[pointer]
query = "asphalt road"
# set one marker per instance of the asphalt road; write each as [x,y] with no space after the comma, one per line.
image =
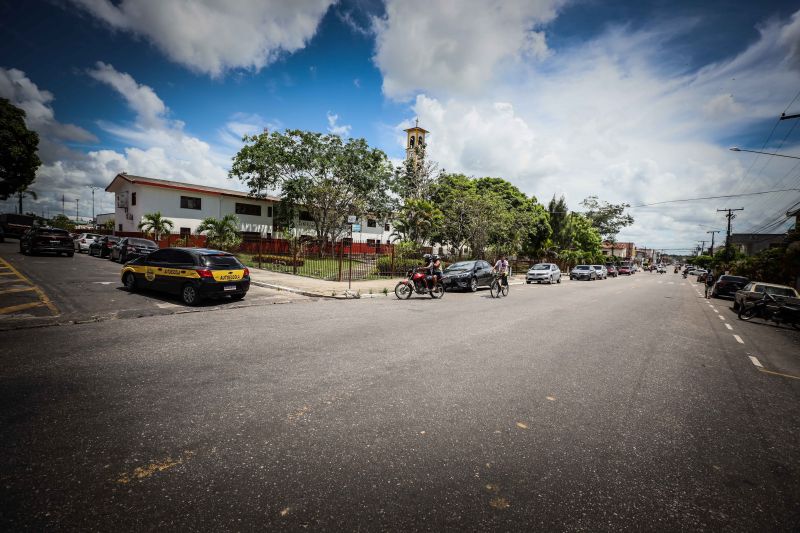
[87,289]
[624,404]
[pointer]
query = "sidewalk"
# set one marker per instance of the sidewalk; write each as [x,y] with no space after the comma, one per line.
[318,288]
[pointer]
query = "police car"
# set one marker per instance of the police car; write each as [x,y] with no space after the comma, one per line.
[191,273]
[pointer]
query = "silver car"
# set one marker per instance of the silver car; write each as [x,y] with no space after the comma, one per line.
[583,272]
[84,240]
[543,272]
[602,271]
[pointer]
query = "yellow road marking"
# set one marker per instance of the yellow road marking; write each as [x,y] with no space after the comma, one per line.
[45,299]
[20,289]
[779,374]
[20,307]
[6,273]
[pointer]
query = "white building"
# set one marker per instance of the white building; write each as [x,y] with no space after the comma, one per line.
[187,204]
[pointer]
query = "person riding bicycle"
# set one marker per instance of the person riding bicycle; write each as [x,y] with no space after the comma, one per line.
[501,267]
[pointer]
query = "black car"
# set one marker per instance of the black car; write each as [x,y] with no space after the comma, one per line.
[132,247]
[728,285]
[192,273]
[46,239]
[102,247]
[467,275]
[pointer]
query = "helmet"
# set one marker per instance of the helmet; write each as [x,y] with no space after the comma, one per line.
[435,257]
[427,257]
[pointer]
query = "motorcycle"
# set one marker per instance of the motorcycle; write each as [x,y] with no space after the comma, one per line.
[769,308]
[685,274]
[676,270]
[417,281]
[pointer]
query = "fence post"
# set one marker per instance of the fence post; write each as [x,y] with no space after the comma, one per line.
[391,268]
[294,258]
[341,256]
[260,241]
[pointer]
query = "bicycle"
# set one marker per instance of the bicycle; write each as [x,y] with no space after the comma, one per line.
[498,288]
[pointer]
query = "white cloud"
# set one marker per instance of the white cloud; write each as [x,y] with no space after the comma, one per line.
[39,115]
[607,117]
[342,130]
[210,36]
[456,46]
[149,108]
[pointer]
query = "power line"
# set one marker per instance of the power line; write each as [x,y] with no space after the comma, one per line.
[713,197]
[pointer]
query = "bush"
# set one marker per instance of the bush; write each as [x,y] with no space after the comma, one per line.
[278,259]
[401,266]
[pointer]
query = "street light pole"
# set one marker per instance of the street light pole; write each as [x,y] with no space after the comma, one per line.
[711,251]
[93,215]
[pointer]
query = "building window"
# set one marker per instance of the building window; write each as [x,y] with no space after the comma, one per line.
[371,223]
[250,236]
[120,227]
[269,211]
[372,242]
[386,227]
[347,241]
[185,232]
[189,202]
[133,198]
[305,216]
[248,209]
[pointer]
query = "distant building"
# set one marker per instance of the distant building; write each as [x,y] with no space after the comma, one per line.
[103,218]
[622,250]
[752,243]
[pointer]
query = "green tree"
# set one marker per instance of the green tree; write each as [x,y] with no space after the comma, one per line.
[416,221]
[609,219]
[156,224]
[328,178]
[558,212]
[221,233]
[582,236]
[18,158]
[63,222]
[417,176]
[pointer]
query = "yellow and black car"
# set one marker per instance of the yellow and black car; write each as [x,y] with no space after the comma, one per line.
[192,273]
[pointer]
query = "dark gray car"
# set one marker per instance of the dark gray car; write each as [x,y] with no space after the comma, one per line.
[131,248]
[467,275]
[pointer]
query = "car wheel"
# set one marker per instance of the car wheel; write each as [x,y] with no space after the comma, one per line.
[550,282]
[189,295]
[129,280]
[236,297]
[735,305]
[558,280]
[528,281]
[473,285]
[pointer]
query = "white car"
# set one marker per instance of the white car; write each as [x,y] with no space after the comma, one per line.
[543,272]
[84,240]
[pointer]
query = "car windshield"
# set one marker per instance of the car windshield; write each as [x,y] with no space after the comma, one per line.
[582,267]
[597,267]
[780,291]
[221,261]
[464,265]
[541,267]
[735,279]
[142,242]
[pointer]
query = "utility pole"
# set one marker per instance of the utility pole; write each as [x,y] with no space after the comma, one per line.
[712,232]
[702,245]
[93,189]
[730,216]
[76,210]
[62,205]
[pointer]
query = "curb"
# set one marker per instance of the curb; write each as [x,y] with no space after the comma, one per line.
[296,291]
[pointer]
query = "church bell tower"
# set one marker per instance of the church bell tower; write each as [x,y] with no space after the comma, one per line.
[415,138]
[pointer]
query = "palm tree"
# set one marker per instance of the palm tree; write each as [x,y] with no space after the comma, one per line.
[156,224]
[222,233]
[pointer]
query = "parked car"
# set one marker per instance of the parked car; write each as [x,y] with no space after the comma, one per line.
[46,239]
[696,271]
[612,270]
[755,291]
[467,275]
[84,240]
[131,247]
[624,270]
[583,272]
[2,235]
[602,271]
[102,247]
[543,272]
[661,269]
[728,285]
[192,273]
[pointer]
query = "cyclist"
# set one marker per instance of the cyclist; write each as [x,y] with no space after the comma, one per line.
[501,267]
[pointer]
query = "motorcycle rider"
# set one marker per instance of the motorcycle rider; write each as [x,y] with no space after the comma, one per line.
[427,261]
[436,270]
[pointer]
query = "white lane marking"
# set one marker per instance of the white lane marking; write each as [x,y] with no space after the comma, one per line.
[165,305]
[104,282]
[720,316]
[738,339]
[755,361]
[728,326]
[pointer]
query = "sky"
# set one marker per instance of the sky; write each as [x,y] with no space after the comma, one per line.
[634,102]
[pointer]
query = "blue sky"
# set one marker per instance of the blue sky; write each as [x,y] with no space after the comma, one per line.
[631,101]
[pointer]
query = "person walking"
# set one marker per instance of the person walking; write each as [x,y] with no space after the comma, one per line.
[709,283]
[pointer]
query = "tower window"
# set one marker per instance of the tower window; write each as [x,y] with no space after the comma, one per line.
[411,141]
